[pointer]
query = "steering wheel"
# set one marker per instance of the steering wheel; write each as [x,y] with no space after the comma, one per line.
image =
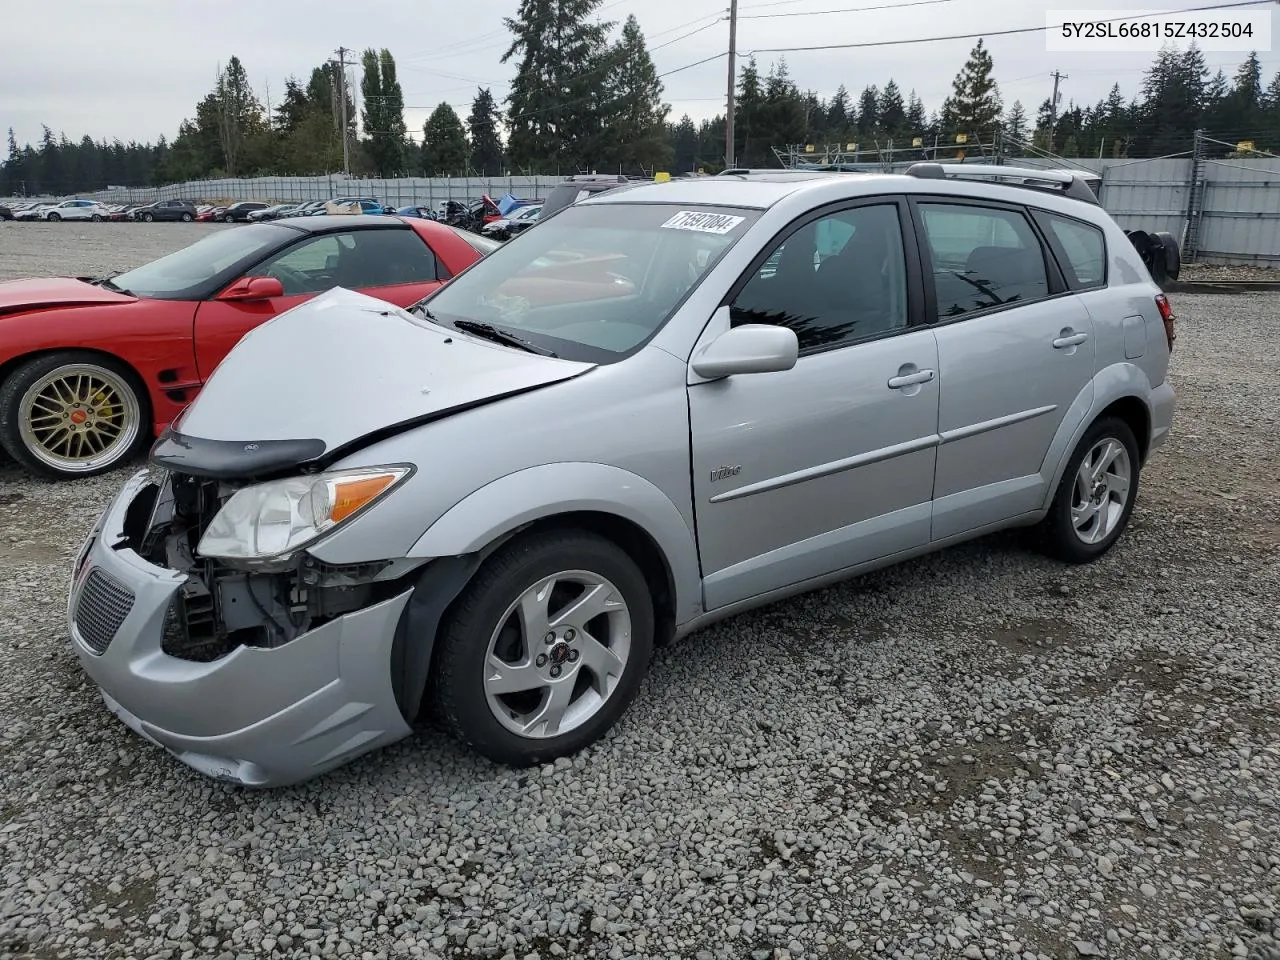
[292,281]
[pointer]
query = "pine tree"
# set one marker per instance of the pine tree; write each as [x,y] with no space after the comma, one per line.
[634,126]
[869,112]
[916,119]
[838,110]
[383,113]
[891,110]
[750,131]
[482,127]
[685,139]
[238,113]
[558,90]
[292,109]
[445,150]
[974,105]
[1015,121]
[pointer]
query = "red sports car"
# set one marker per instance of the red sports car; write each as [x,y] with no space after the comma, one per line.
[92,369]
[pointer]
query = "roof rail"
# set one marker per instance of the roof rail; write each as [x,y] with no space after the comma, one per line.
[1070,183]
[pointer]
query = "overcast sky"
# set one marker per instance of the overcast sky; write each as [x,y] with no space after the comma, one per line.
[135,68]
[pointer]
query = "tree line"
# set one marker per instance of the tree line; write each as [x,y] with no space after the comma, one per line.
[586,97]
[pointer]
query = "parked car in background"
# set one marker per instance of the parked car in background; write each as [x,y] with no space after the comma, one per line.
[422,211]
[270,213]
[513,491]
[34,211]
[76,210]
[121,211]
[239,212]
[517,221]
[6,212]
[356,205]
[580,187]
[213,213]
[92,369]
[182,210]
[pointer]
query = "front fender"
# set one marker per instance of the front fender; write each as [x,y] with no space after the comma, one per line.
[1116,382]
[536,493]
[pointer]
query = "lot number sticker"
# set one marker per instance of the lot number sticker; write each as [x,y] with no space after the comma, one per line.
[703,222]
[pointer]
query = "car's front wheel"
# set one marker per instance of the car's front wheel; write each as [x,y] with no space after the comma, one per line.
[148,217]
[96,218]
[72,414]
[54,217]
[1096,495]
[545,648]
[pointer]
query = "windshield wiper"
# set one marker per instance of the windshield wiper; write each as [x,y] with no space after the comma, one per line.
[490,332]
[109,283]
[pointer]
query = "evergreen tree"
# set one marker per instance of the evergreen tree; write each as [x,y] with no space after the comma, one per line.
[838,111]
[482,127]
[869,112]
[238,113]
[1015,121]
[916,119]
[555,98]
[445,150]
[974,105]
[891,110]
[750,131]
[383,113]
[292,110]
[634,127]
[685,139]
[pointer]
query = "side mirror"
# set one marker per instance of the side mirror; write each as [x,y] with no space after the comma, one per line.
[253,288]
[750,348]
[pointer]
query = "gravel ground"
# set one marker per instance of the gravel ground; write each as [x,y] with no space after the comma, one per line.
[80,249]
[978,754]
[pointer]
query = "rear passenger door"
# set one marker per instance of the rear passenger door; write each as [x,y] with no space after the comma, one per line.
[1016,354]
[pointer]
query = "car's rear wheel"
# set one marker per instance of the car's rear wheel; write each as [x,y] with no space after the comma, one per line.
[1096,495]
[54,217]
[545,648]
[72,414]
[96,218]
[186,218]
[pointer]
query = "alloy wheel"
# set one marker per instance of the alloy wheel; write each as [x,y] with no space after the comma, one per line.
[557,655]
[78,418]
[1101,491]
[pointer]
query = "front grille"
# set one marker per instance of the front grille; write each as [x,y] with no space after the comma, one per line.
[103,605]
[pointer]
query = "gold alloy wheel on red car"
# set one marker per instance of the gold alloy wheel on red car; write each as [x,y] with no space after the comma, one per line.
[79,418]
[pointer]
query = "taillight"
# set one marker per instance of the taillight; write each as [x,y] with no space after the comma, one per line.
[1166,314]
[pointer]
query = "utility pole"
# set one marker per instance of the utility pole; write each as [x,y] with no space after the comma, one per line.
[733,56]
[342,106]
[1053,106]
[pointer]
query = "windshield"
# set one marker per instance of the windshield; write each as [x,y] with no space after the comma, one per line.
[176,275]
[593,282]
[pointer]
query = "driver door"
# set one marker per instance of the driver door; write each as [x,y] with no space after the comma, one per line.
[393,264]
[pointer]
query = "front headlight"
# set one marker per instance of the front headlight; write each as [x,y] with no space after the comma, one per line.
[271,521]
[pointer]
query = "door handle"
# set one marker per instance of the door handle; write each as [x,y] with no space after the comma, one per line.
[1073,340]
[910,379]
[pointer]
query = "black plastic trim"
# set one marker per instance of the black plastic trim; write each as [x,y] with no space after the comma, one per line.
[232,459]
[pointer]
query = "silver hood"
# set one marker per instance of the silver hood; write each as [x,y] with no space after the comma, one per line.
[344,365]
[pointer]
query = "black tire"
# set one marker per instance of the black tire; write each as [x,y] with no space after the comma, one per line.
[96,218]
[12,390]
[1058,535]
[187,218]
[456,687]
[148,217]
[54,217]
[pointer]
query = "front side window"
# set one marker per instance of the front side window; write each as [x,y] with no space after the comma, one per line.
[358,259]
[179,274]
[595,281]
[835,280]
[982,258]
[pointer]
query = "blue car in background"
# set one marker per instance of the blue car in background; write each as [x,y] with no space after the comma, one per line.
[421,211]
[367,205]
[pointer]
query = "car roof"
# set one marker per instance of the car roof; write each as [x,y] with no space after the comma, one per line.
[756,190]
[330,222]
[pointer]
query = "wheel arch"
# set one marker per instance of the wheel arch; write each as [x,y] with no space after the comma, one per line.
[1117,390]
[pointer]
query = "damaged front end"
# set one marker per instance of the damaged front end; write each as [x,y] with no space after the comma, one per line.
[226,603]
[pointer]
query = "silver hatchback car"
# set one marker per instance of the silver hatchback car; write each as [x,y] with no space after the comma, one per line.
[663,405]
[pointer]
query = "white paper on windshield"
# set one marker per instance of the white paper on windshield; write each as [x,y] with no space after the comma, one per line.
[720,223]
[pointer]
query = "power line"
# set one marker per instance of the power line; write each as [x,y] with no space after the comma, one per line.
[997,33]
[820,13]
[686,36]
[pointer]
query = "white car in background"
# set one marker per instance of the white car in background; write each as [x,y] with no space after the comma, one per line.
[34,211]
[75,210]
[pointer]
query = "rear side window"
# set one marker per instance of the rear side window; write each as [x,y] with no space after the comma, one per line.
[1082,246]
[983,257]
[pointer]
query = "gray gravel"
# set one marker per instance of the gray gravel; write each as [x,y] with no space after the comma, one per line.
[979,754]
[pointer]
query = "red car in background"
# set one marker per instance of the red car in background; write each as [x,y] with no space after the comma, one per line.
[92,369]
